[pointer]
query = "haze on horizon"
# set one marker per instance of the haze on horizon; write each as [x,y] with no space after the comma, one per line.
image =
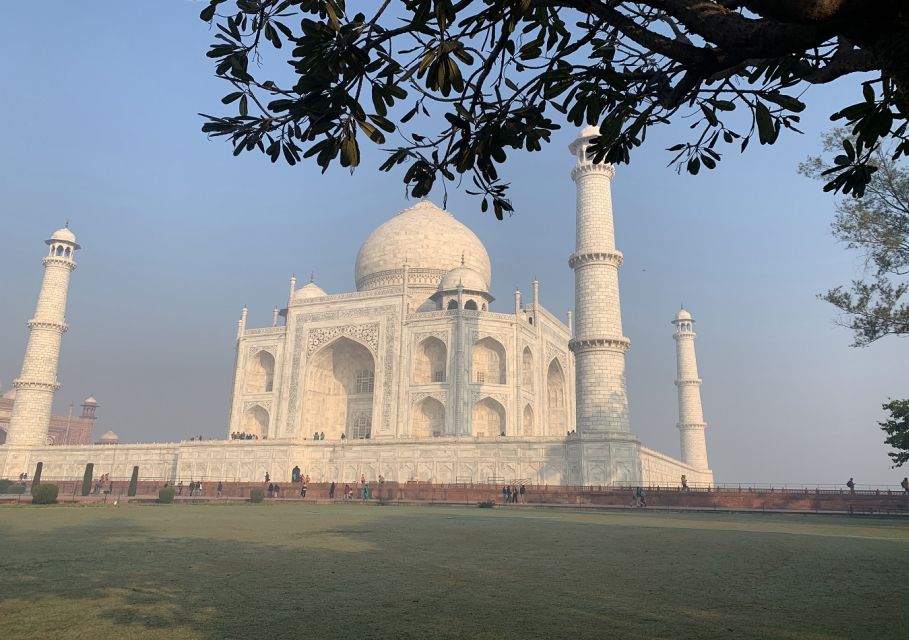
[178,235]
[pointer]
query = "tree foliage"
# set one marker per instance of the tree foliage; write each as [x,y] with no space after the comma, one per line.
[450,87]
[876,225]
[897,429]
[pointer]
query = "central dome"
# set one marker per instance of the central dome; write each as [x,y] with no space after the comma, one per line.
[429,239]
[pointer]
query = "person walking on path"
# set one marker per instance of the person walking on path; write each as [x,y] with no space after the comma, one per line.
[220,488]
[331,490]
[365,492]
[905,485]
[851,485]
[523,493]
[179,488]
[506,494]
[303,489]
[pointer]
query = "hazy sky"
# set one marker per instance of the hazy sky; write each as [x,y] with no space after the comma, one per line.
[100,127]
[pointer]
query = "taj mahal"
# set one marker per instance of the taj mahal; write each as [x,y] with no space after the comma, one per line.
[414,375]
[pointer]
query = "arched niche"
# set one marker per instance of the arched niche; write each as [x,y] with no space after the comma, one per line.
[471,305]
[427,419]
[255,422]
[338,389]
[430,361]
[452,304]
[488,362]
[527,421]
[527,369]
[488,418]
[260,373]
[556,422]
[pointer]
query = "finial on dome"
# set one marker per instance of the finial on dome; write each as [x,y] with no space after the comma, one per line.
[312,276]
[66,224]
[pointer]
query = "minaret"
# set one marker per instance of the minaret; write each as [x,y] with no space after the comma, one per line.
[598,343]
[37,383]
[691,416]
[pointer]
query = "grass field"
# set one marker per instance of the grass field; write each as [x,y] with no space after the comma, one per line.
[269,572]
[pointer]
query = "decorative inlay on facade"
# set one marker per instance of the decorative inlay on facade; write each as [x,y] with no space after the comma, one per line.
[368,334]
[421,336]
[60,262]
[440,395]
[254,349]
[687,382]
[249,404]
[476,395]
[553,351]
[303,321]
[265,332]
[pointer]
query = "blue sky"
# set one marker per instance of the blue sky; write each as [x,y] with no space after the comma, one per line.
[100,128]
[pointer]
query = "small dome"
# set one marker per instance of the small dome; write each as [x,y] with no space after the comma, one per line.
[90,400]
[589,131]
[64,234]
[307,291]
[429,239]
[464,276]
[683,315]
[109,437]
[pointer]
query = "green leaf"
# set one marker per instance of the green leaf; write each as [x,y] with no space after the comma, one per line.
[766,130]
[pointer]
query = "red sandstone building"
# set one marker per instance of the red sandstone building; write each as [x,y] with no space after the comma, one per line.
[71,429]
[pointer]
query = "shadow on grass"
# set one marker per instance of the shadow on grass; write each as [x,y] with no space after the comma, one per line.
[357,572]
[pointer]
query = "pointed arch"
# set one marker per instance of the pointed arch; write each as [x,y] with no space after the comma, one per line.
[527,369]
[260,373]
[255,422]
[556,404]
[430,361]
[452,304]
[427,419]
[527,421]
[488,362]
[471,305]
[338,389]
[488,418]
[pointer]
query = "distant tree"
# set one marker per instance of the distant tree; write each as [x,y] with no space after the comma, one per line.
[877,225]
[462,82]
[897,430]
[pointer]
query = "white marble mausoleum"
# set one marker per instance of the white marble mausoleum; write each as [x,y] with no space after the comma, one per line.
[414,375]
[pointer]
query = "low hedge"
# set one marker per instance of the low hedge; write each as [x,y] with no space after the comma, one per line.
[166,495]
[257,495]
[8,486]
[45,494]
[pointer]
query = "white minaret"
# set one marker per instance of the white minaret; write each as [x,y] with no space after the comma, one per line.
[598,343]
[691,416]
[36,385]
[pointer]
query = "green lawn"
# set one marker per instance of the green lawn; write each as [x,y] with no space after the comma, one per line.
[269,572]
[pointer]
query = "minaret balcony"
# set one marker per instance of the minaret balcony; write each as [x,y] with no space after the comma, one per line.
[580,259]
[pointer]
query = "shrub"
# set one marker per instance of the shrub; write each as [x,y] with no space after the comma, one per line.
[487,504]
[133,482]
[44,494]
[87,479]
[257,495]
[15,489]
[166,495]
[5,484]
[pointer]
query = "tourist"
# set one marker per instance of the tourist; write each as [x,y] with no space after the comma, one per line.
[905,484]
[180,488]
[98,487]
[365,492]
[506,494]
[851,485]
[220,488]
[684,482]
[271,490]
[523,491]
[303,489]
[363,478]
[343,436]
[277,491]
[321,435]
[346,492]
[267,477]
[331,490]
[514,493]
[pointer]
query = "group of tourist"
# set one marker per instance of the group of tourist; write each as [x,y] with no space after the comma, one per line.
[195,488]
[511,494]
[318,435]
[274,490]
[99,484]
[241,435]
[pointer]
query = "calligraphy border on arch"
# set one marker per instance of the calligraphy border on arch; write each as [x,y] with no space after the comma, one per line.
[302,321]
